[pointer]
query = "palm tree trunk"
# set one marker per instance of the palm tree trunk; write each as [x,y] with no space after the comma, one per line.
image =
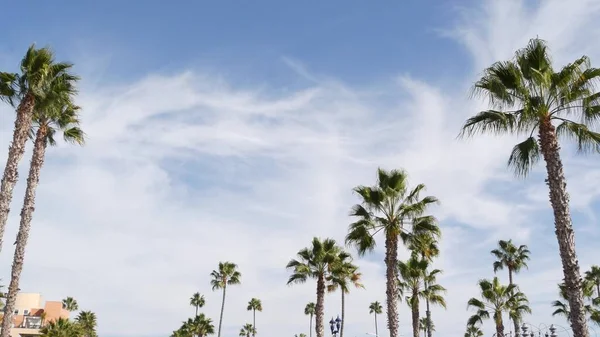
[222,309]
[16,151]
[376,332]
[559,198]
[310,326]
[510,276]
[516,326]
[196,310]
[427,311]
[499,325]
[415,312]
[391,263]
[254,322]
[320,306]
[343,314]
[37,161]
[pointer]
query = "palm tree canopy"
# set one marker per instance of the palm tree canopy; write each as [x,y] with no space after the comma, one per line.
[197,326]
[247,330]
[70,304]
[593,275]
[226,274]
[310,308]
[376,308]
[197,300]
[495,299]
[434,292]
[473,331]
[255,304]
[411,276]
[61,327]
[315,261]
[88,322]
[343,274]
[526,91]
[387,206]
[510,256]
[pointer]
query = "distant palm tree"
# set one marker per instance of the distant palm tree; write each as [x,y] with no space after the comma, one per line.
[226,274]
[87,321]
[376,309]
[528,97]
[387,207]
[61,327]
[255,305]
[517,309]
[412,274]
[200,326]
[316,262]
[593,275]
[247,330]
[424,325]
[70,304]
[310,310]
[562,308]
[510,256]
[433,294]
[473,331]
[495,299]
[344,274]
[197,301]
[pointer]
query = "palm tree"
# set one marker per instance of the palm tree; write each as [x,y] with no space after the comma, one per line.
[87,321]
[310,310]
[495,299]
[41,77]
[433,294]
[247,330]
[517,308]
[510,256]
[562,307]
[344,274]
[200,326]
[375,309]
[424,326]
[593,275]
[388,206]
[197,301]
[226,274]
[316,262]
[51,115]
[70,304]
[527,96]
[412,274]
[61,327]
[473,331]
[254,305]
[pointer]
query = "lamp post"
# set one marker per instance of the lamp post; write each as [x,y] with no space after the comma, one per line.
[335,325]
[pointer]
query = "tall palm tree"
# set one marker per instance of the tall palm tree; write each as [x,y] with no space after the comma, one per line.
[495,300]
[527,96]
[226,274]
[375,309]
[388,206]
[593,275]
[51,115]
[247,330]
[88,322]
[61,327]
[433,295]
[411,276]
[70,304]
[310,310]
[344,274]
[197,301]
[473,331]
[40,77]
[510,256]
[316,262]
[255,305]
[425,245]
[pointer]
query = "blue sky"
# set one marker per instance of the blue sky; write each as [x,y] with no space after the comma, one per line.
[236,131]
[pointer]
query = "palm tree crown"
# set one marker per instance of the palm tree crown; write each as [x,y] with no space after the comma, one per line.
[510,256]
[226,274]
[87,321]
[593,276]
[197,301]
[70,304]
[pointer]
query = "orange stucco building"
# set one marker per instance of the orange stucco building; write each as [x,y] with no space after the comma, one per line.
[31,312]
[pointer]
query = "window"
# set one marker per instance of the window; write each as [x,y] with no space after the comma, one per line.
[17,312]
[25,312]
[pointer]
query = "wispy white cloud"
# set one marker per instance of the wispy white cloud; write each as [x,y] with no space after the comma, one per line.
[182,171]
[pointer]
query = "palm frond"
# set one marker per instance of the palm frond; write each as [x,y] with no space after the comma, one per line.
[587,140]
[523,156]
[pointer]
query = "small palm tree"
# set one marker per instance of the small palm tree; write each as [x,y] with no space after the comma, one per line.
[70,304]
[375,309]
[255,305]
[495,300]
[562,308]
[310,310]
[424,325]
[387,207]
[316,262]
[510,256]
[433,295]
[200,326]
[197,301]
[247,330]
[593,275]
[412,274]
[528,97]
[61,327]
[517,309]
[473,331]
[87,321]
[226,274]
[344,274]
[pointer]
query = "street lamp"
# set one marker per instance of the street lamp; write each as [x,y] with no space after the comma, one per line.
[335,325]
